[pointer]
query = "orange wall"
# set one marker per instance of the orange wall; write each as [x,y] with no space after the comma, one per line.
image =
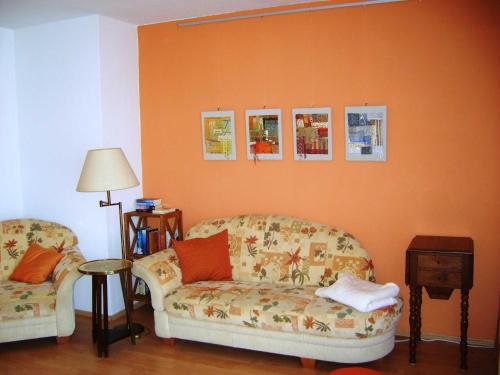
[435,64]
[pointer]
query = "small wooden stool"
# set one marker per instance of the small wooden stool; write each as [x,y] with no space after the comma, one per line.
[355,371]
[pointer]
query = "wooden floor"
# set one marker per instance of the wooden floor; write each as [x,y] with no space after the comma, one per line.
[151,356]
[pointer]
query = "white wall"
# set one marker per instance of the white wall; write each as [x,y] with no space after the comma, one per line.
[120,118]
[59,120]
[10,188]
[69,102]
[120,103]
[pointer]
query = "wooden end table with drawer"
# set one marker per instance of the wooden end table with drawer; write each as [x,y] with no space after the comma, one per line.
[440,265]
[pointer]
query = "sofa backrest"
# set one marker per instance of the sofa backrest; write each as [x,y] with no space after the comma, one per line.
[16,235]
[287,250]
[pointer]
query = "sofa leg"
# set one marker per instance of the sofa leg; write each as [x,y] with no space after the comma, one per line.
[308,362]
[62,339]
[169,341]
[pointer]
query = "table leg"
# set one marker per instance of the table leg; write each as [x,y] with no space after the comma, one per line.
[98,305]
[105,314]
[128,312]
[419,313]
[94,309]
[413,323]
[463,329]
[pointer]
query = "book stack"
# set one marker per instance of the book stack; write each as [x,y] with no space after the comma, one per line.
[147,204]
[164,210]
[148,240]
[142,288]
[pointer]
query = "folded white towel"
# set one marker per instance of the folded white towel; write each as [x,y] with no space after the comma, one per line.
[363,295]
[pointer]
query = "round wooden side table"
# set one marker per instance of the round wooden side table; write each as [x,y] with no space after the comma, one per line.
[99,270]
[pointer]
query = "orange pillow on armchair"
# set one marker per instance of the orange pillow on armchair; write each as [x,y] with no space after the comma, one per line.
[204,258]
[37,264]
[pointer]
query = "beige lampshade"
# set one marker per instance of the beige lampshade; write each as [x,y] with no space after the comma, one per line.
[106,169]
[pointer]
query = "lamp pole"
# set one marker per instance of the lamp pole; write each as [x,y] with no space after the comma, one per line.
[108,203]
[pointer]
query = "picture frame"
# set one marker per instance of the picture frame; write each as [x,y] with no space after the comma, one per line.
[218,135]
[366,133]
[312,134]
[264,134]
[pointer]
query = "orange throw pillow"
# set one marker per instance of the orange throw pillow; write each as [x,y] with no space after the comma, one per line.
[204,258]
[36,265]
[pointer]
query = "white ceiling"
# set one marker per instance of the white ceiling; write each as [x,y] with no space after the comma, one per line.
[21,13]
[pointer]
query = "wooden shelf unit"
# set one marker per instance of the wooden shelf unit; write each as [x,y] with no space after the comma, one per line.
[166,223]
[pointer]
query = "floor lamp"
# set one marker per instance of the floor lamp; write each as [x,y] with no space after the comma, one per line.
[108,169]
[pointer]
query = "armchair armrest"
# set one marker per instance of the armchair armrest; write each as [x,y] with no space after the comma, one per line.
[65,275]
[67,267]
[162,274]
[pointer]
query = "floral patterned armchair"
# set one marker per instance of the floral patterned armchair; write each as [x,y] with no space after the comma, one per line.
[277,264]
[31,311]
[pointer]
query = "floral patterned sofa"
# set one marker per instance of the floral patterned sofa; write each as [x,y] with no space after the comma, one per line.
[277,264]
[31,311]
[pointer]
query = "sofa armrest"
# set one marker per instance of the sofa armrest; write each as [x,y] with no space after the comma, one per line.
[65,275]
[68,267]
[162,274]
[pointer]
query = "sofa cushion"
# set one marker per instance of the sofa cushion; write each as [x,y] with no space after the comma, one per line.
[204,258]
[17,235]
[287,250]
[37,264]
[277,307]
[20,300]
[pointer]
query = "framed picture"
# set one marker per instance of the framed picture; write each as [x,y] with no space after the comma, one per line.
[366,133]
[264,134]
[219,141]
[312,133]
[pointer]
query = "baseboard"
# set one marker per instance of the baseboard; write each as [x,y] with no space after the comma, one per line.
[111,318]
[435,336]
[83,313]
